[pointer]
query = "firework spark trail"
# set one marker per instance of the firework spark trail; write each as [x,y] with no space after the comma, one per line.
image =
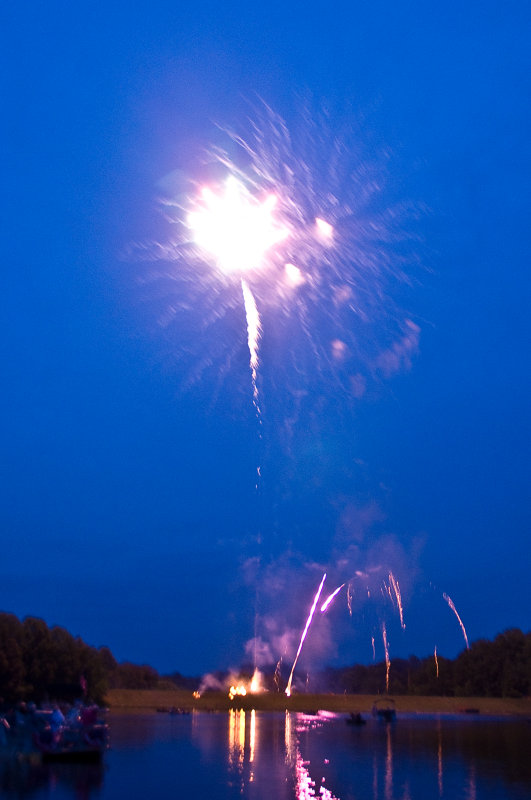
[254,330]
[330,598]
[436,661]
[277,675]
[454,609]
[387,661]
[373,649]
[235,230]
[349,598]
[305,631]
[396,589]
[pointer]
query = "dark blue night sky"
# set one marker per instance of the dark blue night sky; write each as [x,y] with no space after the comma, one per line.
[129,509]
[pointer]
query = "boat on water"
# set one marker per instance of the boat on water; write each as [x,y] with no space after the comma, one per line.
[81,736]
[356,719]
[384,709]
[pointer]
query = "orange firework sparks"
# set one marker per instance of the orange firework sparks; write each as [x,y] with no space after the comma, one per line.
[454,609]
[387,661]
[396,589]
[237,690]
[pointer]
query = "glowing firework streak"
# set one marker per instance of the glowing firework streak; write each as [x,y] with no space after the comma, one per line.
[396,589]
[253,335]
[330,598]
[436,661]
[237,230]
[305,631]
[454,609]
[387,661]
[349,598]
[373,649]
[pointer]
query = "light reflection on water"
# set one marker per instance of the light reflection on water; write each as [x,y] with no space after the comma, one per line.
[259,756]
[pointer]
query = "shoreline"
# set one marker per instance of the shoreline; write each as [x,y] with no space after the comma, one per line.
[151,700]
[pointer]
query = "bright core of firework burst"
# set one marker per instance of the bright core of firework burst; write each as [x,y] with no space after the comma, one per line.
[235,228]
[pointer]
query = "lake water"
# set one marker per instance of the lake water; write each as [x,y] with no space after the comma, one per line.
[271,756]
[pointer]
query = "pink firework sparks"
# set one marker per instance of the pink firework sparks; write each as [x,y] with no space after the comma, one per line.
[330,598]
[305,631]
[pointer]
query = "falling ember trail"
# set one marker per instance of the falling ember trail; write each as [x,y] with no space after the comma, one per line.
[254,330]
[396,589]
[305,631]
[454,609]
[349,598]
[436,661]
[387,661]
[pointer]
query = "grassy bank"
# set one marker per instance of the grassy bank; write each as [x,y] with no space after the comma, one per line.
[150,700]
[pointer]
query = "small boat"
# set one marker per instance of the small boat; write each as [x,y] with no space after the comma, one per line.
[385,713]
[82,737]
[355,719]
[84,744]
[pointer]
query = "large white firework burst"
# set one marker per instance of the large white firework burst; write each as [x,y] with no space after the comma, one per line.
[326,289]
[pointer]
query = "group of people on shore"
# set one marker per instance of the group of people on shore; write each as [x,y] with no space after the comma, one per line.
[24,727]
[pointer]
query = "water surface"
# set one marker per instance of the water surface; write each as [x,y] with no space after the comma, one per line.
[273,756]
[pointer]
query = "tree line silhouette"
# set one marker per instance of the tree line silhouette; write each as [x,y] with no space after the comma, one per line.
[498,668]
[38,662]
[41,663]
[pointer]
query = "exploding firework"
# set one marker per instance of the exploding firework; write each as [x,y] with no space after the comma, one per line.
[235,231]
[292,233]
[300,220]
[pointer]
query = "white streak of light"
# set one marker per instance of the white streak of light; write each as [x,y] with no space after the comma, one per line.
[305,631]
[254,330]
[330,598]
